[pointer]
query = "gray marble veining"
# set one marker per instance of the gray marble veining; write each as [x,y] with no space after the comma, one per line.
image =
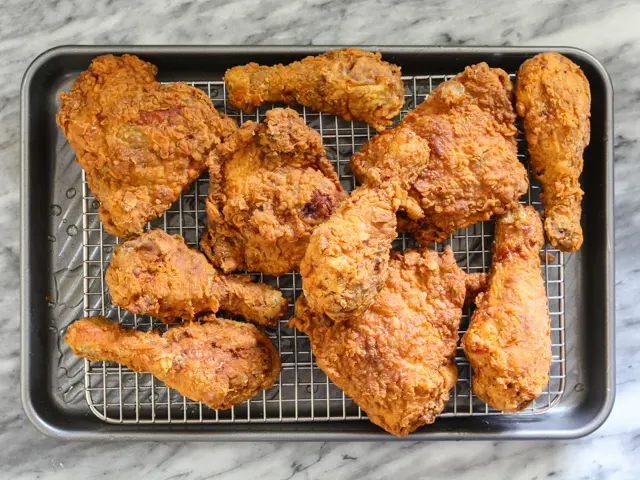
[608,29]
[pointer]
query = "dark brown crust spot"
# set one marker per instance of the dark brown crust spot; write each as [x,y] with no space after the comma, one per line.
[320,206]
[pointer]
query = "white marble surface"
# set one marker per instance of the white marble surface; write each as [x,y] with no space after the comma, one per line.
[608,29]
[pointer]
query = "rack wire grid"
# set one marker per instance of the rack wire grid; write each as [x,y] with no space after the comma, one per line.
[302,392]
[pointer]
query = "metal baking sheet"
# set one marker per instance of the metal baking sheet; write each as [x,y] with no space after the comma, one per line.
[96,398]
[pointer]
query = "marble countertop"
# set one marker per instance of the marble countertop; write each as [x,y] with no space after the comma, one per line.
[607,29]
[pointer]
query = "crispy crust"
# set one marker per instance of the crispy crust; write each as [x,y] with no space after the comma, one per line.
[346,263]
[351,83]
[396,359]
[219,363]
[474,170]
[508,342]
[554,98]
[140,143]
[270,187]
[157,274]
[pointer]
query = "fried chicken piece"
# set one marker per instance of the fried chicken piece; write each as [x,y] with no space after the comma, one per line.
[395,360]
[270,187]
[346,262]
[554,99]
[157,274]
[349,82]
[140,143]
[474,170]
[508,342]
[219,363]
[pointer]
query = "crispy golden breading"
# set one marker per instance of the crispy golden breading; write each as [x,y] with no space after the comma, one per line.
[554,98]
[476,283]
[395,360]
[157,274]
[219,363]
[140,143]
[508,342]
[474,170]
[270,187]
[351,83]
[346,262]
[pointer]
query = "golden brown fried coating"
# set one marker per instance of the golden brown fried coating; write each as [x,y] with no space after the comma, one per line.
[157,274]
[219,363]
[345,264]
[474,170]
[270,187]
[508,342]
[349,82]
[476,283]
[554,98]
[140,143]
[395,360]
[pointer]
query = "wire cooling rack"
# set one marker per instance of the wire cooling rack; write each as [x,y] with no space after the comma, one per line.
[302,392]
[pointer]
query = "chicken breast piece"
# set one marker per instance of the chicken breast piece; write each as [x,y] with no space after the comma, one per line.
[508,342]
[219,363]
[140,143]
[554,99]
[473,171]
[159,275]
[395,360]
[351,83]
[270,187]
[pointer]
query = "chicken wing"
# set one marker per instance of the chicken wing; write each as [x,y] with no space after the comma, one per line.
[508,342]
[219,363]
[554,99]
[140,143]
[345,264]
[352,83]
[395,360]
[270,187]
[474,170]
[157,274]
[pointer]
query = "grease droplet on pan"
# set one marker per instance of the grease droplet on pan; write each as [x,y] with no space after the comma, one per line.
[55,210]
[51,238]
[71,193]
[95,204]
[72,230]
